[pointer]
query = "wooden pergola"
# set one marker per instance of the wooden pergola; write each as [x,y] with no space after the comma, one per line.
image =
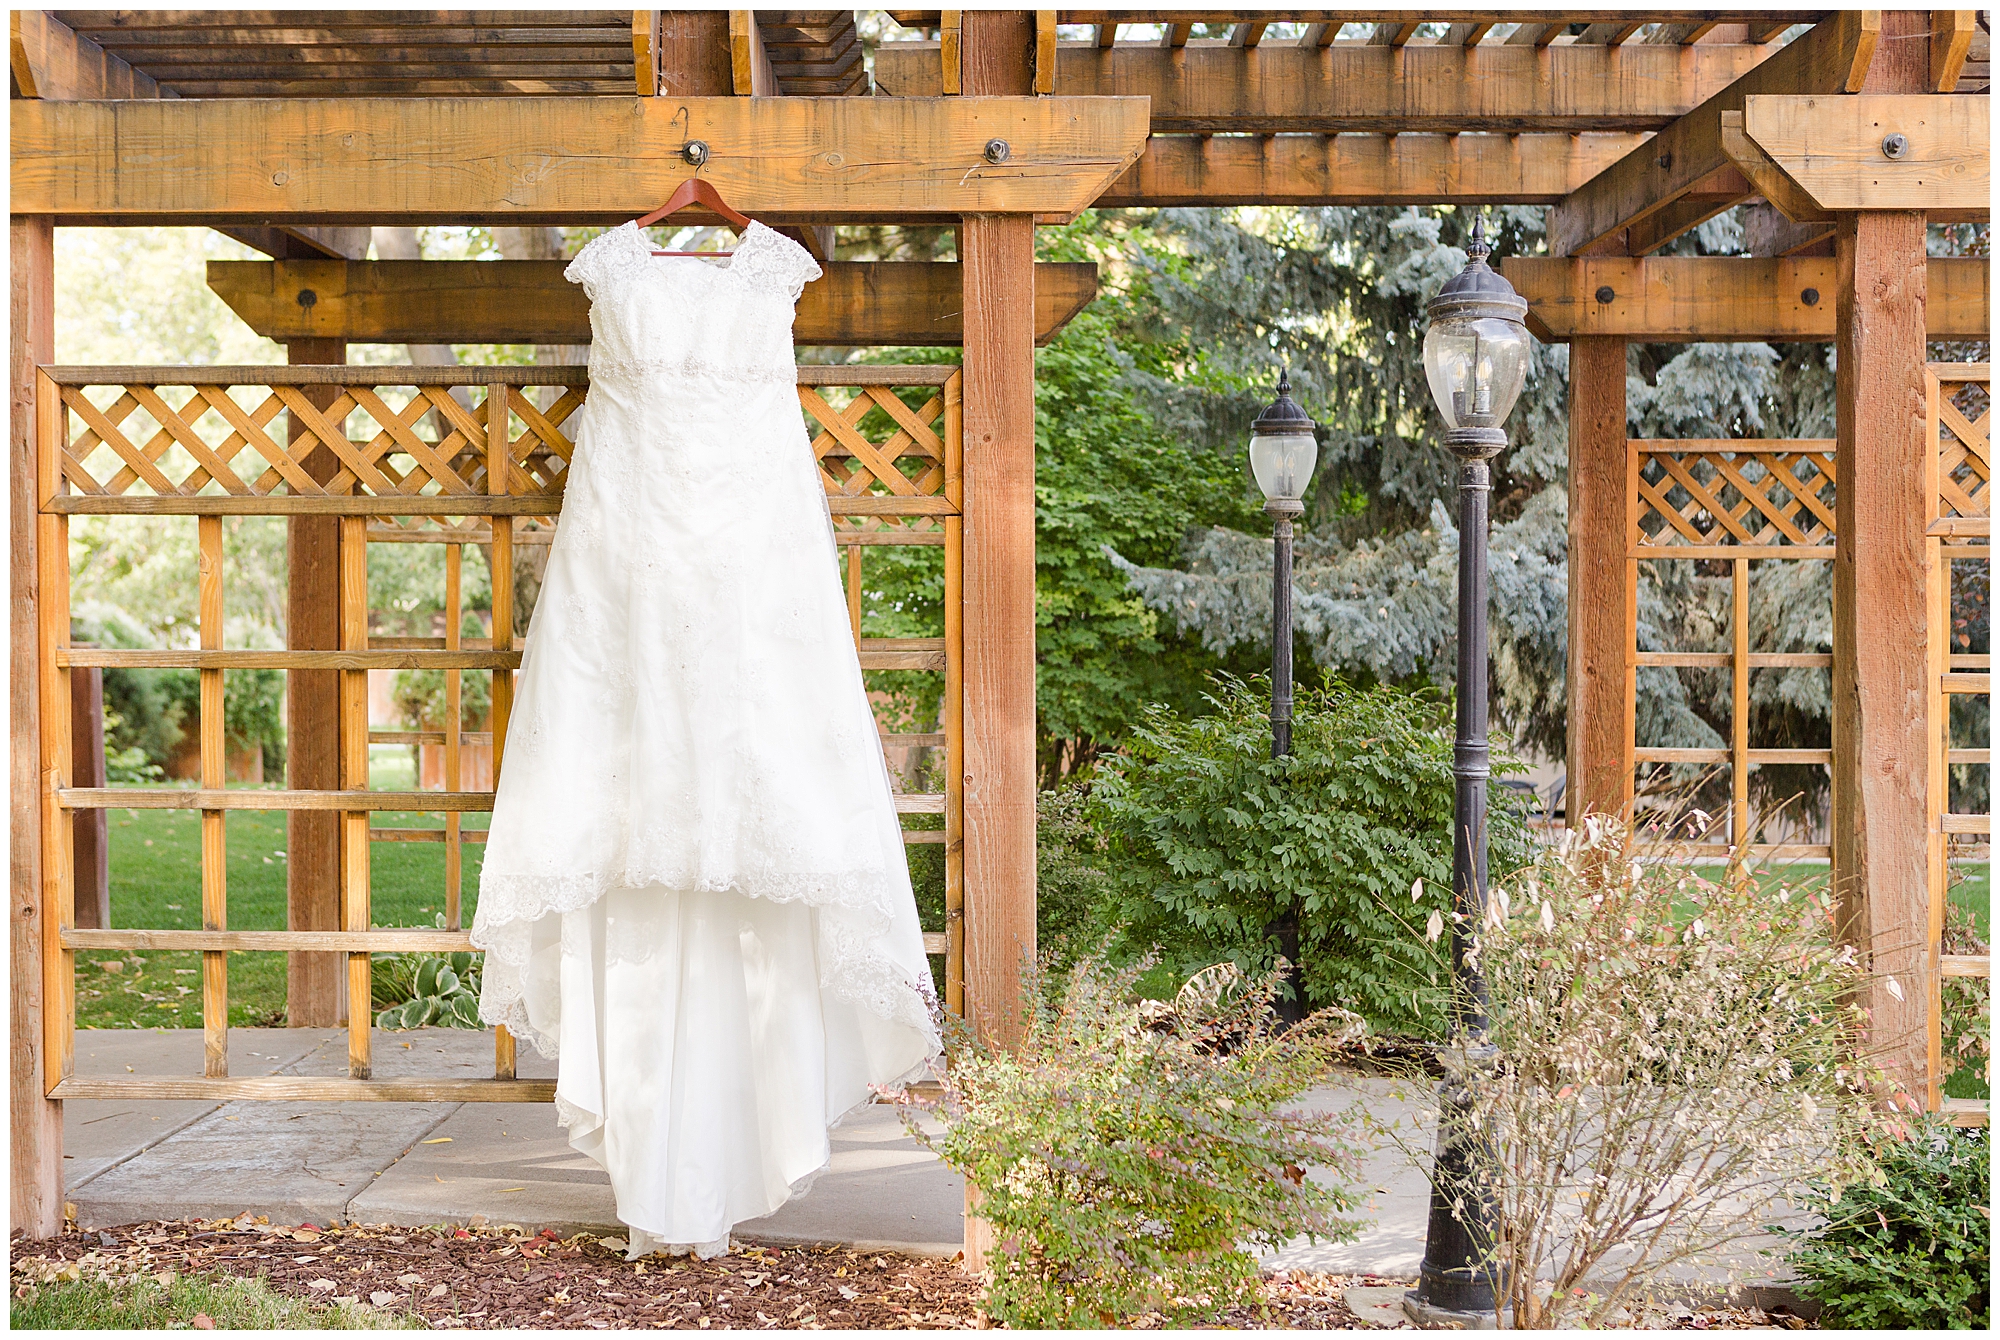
[296,131]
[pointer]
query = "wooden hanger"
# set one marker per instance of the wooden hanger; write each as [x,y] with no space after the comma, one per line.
[695,191]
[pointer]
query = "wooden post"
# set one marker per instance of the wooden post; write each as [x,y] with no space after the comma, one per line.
[996,257]
[315,983]
[999,556]
[35,1151]
[93,827]
[1881,754]
[1600,741]
[695,55]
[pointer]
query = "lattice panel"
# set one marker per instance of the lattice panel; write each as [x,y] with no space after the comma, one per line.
[171,439]
[1964,446]
[1767,494]
[871,443]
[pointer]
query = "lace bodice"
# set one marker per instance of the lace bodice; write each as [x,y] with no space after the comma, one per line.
[681,317]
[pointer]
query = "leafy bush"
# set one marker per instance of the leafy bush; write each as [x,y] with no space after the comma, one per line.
[253,709]
[1913,1250]
[419,698]
[1070,879]
[1674,1056]
[1967,1012]
[412,990]
[1210,839]
[1130,1155]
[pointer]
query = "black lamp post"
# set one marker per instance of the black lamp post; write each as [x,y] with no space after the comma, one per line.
[1282,454]
[1476,358]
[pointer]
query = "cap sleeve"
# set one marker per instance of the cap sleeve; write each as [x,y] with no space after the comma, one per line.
[600,258]
[775,261]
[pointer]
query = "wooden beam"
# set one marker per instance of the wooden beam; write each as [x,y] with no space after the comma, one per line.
[694,54]
[1220,88]
[91,885]
[1881,816]
[50,60]
[749,64]
[562,160]
[1045,51]
[951,48]
[1175,36]
[1466,34]
[1771,181]
[529,302]
[1533,34]
[1363,169]
[1721,190]
[1601,591]
[1610,34]
[1768,234]
[1676,299]
[302,244]
[315,983]
[1107,34]
[1952,31]
[1834,148]
[1830,59]
[35,1155]
[1247,35]
[646,52]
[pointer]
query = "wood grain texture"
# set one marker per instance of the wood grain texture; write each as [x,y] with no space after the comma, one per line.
[1671,299]
[309,1089]
[1881,749]
[1952,31]
[557,160]
[695,57]
[1600,680]
[315,984]
[50,60]
[214,835]
[1364,169]
[1832,58]
[355,882]
[477,302]
[750,73]
[1832,148]
[35,1153]
[91,883]
[1275,89]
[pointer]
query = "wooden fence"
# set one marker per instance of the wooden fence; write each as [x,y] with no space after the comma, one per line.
[1958,415]
[451,456]
[1741,501]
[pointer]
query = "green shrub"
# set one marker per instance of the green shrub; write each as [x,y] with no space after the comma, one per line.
[1129,1155]
[413,990]
[1209,839]
[1070,879]
[1914,1250]
[253,709]
[419,699]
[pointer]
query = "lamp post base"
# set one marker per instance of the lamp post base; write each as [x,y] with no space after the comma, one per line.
[1431,1317]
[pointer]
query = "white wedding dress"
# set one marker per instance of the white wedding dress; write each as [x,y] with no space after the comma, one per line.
[695,890]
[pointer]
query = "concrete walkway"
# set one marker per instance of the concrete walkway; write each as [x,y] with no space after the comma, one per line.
[429,1163]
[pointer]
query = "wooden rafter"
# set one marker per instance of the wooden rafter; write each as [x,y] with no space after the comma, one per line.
[506,302]
[51,60]
[1363,169]
[1830,59]
[557,161]
[1686,298]
[1216,88]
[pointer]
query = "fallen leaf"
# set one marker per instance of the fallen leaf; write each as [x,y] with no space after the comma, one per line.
[201,1321]
[321,1286]
[439,1291]
[382,1298]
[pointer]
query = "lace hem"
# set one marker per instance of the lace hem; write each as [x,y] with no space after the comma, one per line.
[851,924]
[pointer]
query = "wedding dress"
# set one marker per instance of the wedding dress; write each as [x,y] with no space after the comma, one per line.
[695,890]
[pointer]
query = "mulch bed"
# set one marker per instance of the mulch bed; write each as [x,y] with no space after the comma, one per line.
[502,1276]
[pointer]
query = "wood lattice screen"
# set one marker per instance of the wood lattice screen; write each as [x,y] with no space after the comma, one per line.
[450,456]
[1959,526]
[1735,502]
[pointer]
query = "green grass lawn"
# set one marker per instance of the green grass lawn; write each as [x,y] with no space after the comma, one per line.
[224,1304]
[156,883]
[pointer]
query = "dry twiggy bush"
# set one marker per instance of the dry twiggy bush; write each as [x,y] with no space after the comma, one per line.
[1675,1061]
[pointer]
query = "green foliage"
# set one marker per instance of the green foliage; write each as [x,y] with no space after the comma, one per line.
[1210,839]
[1913,1250]
[1070,878]
[415,990]
[1130,1157]
[253,707]
[129,765]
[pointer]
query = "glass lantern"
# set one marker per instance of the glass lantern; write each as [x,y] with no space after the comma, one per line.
[1282,448]
[1476,347]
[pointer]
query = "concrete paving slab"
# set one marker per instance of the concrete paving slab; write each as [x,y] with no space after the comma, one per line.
[510,1162]
[98,1134]
[881,1192]
[1392,1178]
